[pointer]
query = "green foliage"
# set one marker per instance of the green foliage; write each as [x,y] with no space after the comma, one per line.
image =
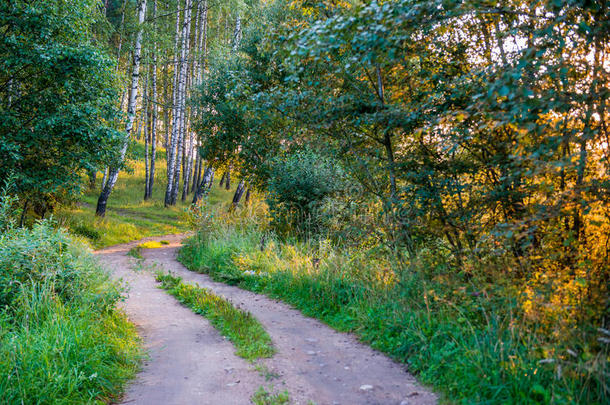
[472,342]
[241,328]
[298,185]
[86,231]
[477,133]
[57,99]
[61,337]
[135,252]
[7,207]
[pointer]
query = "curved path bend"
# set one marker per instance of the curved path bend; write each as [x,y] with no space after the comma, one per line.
[190,363]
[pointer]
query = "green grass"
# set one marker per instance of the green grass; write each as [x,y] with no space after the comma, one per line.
[135,252]
[62,340]
[250,339]
[475,349]
[264,397]
[128,216]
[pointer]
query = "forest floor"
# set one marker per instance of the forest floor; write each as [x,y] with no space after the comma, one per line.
[191,363]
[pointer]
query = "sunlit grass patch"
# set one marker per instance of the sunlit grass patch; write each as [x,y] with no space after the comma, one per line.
[153,244]
[128,216]
[135,252]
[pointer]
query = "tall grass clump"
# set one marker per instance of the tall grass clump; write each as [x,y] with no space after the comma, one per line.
[471,340]
[62,340]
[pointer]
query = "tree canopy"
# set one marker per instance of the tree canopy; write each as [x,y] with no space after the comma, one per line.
[58,97]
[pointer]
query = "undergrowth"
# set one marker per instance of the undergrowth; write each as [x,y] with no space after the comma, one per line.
[250,339]
[470,341]
[61,338]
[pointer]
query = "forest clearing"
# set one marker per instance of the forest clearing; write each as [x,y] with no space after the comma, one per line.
[271,202]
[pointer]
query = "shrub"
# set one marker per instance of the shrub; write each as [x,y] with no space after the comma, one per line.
[298,185]
[61,338]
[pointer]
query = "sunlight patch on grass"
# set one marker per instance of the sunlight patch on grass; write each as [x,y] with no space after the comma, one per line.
[128,216]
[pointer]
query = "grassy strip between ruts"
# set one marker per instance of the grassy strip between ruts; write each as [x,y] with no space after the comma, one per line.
[250,339]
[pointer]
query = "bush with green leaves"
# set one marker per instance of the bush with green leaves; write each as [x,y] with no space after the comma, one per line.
[62,340]
[57,98]
[298,186]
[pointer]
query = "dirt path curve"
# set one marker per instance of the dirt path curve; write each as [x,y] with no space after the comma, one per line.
[190,363]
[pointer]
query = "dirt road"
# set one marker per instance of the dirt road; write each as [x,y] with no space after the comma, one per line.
[190,363]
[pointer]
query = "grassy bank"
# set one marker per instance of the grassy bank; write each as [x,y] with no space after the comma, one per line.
[61,337]
[469,340]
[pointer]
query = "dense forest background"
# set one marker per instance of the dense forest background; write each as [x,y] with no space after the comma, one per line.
[454,156]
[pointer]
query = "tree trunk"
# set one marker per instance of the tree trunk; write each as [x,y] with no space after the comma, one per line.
[222,179]
[211,182]
[146,135]
[182,86]
[153,129]
[247,196]
[208,177]
[188,165]
[196,171]
[104,179]
[113,172]
[237,34]
[205,40]
[118,57]
[23,213]
[172,142]
[228,178]
[166,111]
[238,193]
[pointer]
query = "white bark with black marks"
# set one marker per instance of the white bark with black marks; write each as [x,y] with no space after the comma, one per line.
[113,173]
[153,130]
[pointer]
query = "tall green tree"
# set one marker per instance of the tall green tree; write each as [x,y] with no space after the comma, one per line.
[57,93]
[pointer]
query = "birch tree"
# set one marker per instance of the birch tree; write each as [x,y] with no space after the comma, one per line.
[178,127]
[153,119]
[113,172]
[172,137]
[182,90]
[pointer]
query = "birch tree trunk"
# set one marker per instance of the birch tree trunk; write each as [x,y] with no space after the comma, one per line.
[211,182]
[188,166]
[196,170]
[173,137]
[196,80]
[204,58]
[238,193]
[208,177]
[181,103]
[240,187]
[153,130]
[247,199]
[146,134]
[113,172]
[237,34]
[104,178]
[199,61]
